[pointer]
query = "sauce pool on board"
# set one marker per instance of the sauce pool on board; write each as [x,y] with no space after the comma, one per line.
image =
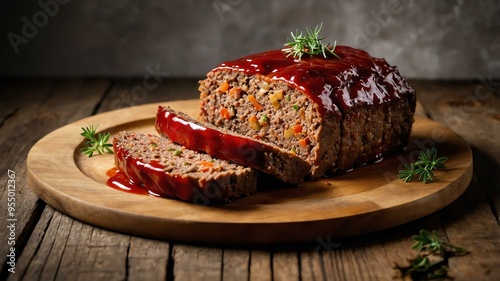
[119,180]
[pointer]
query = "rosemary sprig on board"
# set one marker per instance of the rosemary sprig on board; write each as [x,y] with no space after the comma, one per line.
[96,142]
[423,167]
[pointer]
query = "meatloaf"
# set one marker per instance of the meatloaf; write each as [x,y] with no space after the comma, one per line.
[170,170]
[333,112]
[184,130]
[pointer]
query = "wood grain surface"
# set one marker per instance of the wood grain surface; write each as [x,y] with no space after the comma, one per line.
[53,246]
[368,199]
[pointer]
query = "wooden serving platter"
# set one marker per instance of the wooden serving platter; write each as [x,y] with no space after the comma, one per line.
[367,199]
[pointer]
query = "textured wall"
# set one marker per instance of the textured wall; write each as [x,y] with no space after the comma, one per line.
[425,39]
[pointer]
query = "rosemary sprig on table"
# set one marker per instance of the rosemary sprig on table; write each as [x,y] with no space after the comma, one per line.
[96,142]
[310,43]
[422,267]
[423,167]
[431,243]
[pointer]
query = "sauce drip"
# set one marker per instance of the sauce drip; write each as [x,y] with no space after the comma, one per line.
[151,176]
[119,180]
[334,84]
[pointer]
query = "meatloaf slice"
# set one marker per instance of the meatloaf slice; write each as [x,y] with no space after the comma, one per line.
[170,170]
[184,130]
[334,112]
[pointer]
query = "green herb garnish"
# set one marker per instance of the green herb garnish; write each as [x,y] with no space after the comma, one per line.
[423,167]
[429,244]
[178,152]
[296,107]
[96,142]
[308,44]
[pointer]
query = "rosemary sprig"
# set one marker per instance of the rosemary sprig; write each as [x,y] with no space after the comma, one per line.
[431,243]
[423,167]
[310,43]
[422,267]
[96,142]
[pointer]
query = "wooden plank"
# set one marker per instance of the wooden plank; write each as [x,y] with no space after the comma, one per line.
[34,259]
[51,105]
[469,223]
[235,264]
[93,254]
[127,93]
[197,262]
[260,265]
[311,265]
[147,259]
[285,265]
[20,92]
[360,262]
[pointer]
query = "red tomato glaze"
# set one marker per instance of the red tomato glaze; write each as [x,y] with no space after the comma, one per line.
[334,84]
[241,150]
[134,173]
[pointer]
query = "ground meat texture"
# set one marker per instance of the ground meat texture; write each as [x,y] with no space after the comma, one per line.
[372,116]
[270,111]
[170,170]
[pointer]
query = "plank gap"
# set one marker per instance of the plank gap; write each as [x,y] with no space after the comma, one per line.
[9,115]
[170,263]
[322,263]
[222,264]
[299,265]
[249,271]
[484,167]
[271,261]
[103,97]
[127,259]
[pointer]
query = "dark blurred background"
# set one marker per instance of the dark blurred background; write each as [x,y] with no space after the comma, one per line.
[185,38]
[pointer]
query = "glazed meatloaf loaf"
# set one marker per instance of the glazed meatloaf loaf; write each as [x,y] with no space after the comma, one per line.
[270,159]
[170,170]
[334,112]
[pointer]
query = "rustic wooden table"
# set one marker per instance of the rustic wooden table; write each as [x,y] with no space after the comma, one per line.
[52,246]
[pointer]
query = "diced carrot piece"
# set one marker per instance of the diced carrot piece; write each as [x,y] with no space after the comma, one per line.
[303,142]
[254,122]
[224,87]
[205,166]
[225,113]
[302,112]
[255,103]
[297,129]
[235,92]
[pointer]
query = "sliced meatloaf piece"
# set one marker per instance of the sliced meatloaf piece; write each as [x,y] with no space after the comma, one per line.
[170,170]
[184,130]
[335,113]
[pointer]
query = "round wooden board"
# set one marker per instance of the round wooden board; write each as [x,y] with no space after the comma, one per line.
[367,199]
